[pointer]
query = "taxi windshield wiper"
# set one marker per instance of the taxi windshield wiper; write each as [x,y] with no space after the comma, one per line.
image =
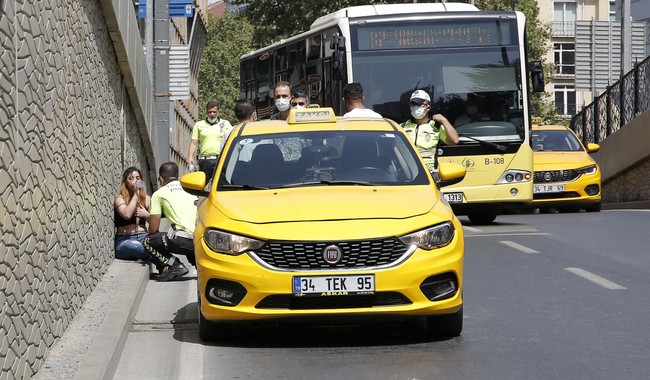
[499,147]
[329,183]
[245,187]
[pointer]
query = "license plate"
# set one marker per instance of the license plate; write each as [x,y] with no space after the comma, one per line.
[555,188]
[334,285]
[454,197]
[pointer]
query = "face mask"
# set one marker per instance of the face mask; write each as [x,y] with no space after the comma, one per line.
[472,110]
[212,121]
[418,112]
[298,107]
[282,104]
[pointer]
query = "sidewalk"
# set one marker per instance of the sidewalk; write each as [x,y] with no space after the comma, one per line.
[91,345]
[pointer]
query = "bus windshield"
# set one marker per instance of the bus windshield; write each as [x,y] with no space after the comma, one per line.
[467,85]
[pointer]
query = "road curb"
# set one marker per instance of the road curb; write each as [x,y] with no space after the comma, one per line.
[103,355]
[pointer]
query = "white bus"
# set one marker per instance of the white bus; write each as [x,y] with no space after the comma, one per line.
[455,52]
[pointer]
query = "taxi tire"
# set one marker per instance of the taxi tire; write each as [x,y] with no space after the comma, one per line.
[593,208]
[446,326]
[210,331]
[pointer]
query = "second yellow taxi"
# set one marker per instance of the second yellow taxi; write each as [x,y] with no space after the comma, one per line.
[325,217]
[566,177]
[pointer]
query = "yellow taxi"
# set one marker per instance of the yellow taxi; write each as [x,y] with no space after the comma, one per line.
[325,217]
[566,177]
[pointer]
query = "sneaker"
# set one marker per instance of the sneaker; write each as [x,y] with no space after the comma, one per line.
[173,272]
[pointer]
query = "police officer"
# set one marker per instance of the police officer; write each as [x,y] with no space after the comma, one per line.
[207,135]
[425,131]
[179,208]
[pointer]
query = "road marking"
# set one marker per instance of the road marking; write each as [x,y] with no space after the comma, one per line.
[508,234]
[517,246]
[472,229]
[191,352]
[605,283]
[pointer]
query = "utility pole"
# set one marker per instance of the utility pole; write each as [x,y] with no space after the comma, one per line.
[161,35]
[626,38]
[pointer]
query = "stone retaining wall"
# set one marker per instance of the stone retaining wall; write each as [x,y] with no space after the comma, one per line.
[68,131]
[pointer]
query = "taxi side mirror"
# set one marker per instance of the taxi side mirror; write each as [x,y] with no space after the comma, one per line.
[591,148]
[194,183]
[450,174]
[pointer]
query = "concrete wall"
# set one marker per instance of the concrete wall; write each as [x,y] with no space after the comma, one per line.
[624,159]
[75,111]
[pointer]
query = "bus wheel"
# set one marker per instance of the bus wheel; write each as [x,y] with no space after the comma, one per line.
[483,217]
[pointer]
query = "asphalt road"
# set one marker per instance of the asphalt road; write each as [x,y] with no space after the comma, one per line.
[546,297]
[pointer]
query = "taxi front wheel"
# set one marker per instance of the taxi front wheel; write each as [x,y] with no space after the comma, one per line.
[446,326]
[209,330]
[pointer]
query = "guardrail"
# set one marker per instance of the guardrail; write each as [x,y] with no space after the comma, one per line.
[621,103]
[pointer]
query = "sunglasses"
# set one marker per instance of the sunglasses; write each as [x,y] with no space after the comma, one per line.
[298,104]
[412,104]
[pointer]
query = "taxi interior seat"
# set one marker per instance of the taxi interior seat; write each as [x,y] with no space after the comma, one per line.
[266,166]
[362,153]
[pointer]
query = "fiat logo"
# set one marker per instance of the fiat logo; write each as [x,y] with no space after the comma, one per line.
[332,254]
[547,176]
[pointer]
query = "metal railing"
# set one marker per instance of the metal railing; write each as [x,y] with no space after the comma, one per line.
[621,103]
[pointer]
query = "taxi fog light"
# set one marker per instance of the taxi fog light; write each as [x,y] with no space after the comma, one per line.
[514,192]
[430,238]
[224,293]
[439,287]
[230,244]
[592,190]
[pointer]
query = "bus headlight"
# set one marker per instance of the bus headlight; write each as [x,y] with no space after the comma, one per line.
[230,244]
[514,176]
[430,238]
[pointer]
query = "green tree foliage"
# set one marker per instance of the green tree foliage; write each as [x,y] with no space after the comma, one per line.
[229,37]
[275,20]
[539,37]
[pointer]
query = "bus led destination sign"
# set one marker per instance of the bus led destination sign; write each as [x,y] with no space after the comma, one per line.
[428,35]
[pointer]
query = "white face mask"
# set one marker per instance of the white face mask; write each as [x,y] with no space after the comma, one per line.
[212,121]
[298,107]
[418,112]
[282,104]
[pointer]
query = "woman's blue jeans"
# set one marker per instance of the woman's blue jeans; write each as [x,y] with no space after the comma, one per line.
[129,247]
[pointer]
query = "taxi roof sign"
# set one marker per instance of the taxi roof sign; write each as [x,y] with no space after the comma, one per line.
[312,115]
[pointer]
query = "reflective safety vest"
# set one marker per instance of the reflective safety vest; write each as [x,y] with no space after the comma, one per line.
[425,137]
[210,136]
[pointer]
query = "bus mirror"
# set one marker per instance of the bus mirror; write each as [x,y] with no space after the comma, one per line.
[338,56]
[537,76]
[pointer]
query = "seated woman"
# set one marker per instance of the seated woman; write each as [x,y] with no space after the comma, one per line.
[131,209]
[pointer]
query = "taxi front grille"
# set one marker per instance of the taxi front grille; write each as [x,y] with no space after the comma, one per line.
[556,176]
[309,256]
[288,301]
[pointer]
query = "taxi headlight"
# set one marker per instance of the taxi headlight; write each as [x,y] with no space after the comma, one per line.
[230,244]
[591,169]
[430,238]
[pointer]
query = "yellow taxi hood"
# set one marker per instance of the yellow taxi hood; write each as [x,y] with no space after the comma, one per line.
[563,159]
[320,203]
